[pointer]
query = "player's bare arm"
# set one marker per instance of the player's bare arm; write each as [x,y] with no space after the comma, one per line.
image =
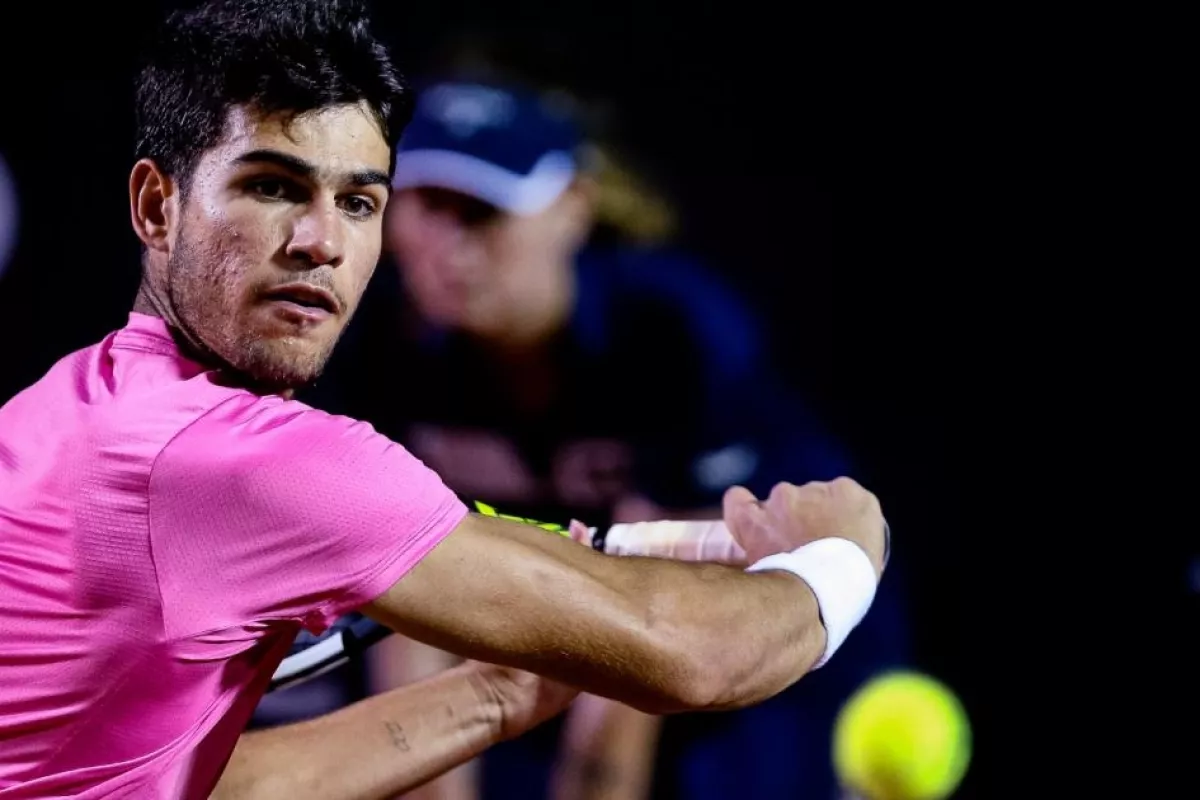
[395,741]
[651,633]
[657,635]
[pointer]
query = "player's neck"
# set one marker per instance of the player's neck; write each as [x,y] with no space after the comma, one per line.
[150,302]
[144,303]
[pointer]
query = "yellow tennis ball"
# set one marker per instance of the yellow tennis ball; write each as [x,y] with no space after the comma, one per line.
[902,736]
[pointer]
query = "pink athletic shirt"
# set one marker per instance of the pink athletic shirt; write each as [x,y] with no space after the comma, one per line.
[163,538]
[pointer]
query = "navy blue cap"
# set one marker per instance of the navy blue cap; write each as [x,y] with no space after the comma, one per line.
[509,148]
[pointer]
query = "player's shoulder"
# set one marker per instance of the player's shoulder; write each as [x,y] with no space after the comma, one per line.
[652,294]
[247,431]
[278,459]
[110,406]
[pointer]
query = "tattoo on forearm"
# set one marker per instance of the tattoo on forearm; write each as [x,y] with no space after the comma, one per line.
[399,740]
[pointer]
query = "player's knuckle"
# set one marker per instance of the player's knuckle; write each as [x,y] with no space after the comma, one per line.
[844,483]
[782,491]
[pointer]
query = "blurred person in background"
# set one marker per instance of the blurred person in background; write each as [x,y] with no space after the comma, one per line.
[533,283]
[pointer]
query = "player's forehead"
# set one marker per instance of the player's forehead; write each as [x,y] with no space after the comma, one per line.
[333,142]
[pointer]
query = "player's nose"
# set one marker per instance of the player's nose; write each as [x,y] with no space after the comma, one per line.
[318,236]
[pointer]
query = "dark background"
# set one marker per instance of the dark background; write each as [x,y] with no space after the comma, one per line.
[735,109]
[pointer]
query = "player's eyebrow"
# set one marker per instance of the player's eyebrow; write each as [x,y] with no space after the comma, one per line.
[300,167]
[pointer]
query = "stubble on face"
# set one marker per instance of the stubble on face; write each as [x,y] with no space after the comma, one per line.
[219,328]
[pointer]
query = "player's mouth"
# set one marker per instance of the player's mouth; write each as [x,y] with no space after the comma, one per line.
[303,302]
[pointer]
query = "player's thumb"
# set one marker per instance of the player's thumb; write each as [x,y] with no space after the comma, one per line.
[743,513]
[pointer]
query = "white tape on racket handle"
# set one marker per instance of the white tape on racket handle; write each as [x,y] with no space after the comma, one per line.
[706,540]
[701,540]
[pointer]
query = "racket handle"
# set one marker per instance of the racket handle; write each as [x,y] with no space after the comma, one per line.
[707,540]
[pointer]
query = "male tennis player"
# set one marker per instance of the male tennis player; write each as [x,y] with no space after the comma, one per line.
[170,518]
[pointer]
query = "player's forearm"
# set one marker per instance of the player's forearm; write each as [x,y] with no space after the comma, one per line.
[743,638]
[658,635]
[376,748]
[728,638]
[666,637]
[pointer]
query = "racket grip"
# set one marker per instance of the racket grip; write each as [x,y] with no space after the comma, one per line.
[707,540]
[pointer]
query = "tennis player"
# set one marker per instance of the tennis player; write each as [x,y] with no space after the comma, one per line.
[170,518]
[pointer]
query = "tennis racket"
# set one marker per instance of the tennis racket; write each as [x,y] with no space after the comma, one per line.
[345,641]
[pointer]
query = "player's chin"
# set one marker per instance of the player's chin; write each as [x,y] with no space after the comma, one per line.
[287,357]
[285,364]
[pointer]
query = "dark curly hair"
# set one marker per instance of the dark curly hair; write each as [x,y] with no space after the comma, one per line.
[275,56]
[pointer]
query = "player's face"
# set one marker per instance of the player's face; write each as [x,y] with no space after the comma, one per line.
[469,265]
[277,237]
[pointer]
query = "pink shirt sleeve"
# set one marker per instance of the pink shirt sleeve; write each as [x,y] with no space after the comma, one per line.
[266,510]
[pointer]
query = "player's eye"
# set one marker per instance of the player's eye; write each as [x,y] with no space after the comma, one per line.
[358,206]
[271,188]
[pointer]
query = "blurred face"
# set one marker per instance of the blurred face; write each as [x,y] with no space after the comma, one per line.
[276,239]
[471,266]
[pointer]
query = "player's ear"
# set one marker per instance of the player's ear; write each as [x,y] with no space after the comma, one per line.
[153,204]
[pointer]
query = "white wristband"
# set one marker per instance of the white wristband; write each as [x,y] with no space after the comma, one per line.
[841,576]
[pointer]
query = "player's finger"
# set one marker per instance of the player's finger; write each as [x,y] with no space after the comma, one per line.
[741,502]
[580,532]
[743,512]
[739,495]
